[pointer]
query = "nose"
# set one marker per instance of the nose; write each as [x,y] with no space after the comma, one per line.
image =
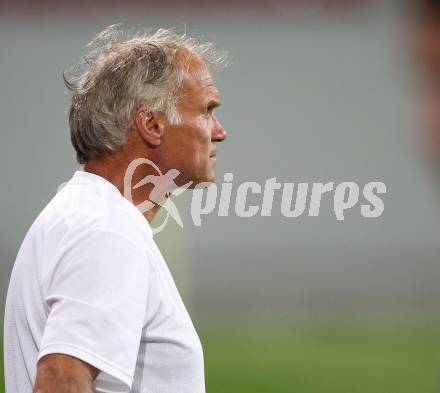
[218,132]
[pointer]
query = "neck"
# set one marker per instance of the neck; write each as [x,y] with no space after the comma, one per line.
[115,173]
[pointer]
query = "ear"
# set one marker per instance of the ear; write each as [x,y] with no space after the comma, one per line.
[150,125]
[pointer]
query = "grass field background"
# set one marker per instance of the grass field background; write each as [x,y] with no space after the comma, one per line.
[324,357]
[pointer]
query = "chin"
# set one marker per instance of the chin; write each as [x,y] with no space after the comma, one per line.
[206,178]
[210,178]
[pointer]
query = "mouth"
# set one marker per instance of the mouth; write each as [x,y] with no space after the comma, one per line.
[213,155]
[213,159]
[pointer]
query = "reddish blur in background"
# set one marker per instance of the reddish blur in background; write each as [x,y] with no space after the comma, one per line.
[318,91]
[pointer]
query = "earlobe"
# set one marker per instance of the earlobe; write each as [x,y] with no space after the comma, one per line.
[149,126]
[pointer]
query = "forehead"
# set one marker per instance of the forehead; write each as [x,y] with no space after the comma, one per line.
[198,86]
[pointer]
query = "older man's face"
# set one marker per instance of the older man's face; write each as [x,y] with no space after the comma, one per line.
[190,146]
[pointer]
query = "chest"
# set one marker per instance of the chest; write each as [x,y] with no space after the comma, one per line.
[170,355]
[168,329]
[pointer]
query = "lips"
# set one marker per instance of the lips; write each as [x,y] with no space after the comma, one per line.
[213,152]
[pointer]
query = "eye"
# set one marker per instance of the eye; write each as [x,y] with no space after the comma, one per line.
[209,108]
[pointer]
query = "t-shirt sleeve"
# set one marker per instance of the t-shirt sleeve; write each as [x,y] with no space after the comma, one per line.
[96,291]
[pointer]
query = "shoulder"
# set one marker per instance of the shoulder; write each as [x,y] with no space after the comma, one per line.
[83,208]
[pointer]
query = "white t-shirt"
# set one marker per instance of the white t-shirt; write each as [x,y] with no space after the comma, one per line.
[90,282]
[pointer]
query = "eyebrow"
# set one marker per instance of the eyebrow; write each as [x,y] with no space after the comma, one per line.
[213,103]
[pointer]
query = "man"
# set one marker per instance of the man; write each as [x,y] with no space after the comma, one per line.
[91,305]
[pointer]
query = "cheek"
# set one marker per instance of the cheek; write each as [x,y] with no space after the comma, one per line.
[202,150]
[201,134]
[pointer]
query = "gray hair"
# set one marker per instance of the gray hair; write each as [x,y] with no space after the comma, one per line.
[121,74]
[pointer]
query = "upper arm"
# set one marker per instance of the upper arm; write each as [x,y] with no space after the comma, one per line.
[96,294]
[64,374]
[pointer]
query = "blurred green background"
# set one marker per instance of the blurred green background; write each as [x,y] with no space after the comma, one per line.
[325,357]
